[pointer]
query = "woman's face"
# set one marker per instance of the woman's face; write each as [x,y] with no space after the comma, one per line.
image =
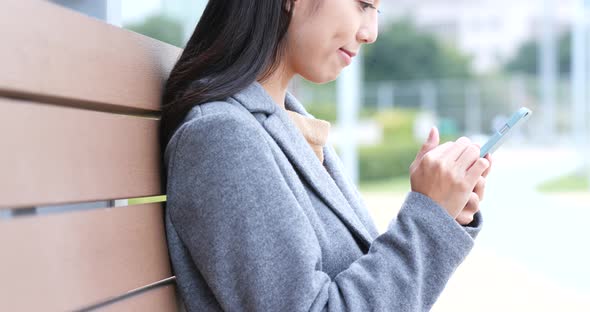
[325,34]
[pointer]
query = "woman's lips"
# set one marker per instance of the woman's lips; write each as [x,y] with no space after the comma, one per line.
[346,56]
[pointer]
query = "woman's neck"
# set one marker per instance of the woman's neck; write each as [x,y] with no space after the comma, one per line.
[276,85]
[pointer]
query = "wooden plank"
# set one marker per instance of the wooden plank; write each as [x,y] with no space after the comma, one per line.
[58,55]
[70,260]
[56,155]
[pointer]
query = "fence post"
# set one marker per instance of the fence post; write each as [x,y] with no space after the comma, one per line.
[348,88]
[428,97]
[385,95]
[548,69]
[517,100]
[472,109]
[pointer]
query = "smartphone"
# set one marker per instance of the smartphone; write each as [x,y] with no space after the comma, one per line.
[517,119]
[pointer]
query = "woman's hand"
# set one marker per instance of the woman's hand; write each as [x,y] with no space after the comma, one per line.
[472,207]
[450,175]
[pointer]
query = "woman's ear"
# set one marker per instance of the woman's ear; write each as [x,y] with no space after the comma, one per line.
[289,5]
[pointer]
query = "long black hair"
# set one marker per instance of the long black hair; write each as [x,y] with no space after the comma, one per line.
[235,43]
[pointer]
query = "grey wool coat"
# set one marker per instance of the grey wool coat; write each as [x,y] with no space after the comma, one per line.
[256,223]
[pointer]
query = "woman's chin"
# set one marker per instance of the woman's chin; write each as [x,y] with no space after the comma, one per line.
[322,78]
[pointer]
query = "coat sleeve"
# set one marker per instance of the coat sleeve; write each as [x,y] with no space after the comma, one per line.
[257,251]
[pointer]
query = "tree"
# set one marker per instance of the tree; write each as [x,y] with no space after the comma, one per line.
[402,52]
[160,27]
[527,57]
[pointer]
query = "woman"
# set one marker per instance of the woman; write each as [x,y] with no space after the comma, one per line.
[258,217]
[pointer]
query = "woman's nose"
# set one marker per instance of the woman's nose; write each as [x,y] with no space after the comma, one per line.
[368,33]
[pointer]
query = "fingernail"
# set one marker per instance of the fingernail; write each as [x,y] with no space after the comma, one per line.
[431,134]
[463,140]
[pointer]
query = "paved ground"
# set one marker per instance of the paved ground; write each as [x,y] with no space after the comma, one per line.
[534,251]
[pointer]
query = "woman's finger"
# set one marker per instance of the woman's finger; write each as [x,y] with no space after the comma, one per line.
[458,149]
[480,187]
[465,218]
[471,208]
[431,142]
[489,158]
[477,170]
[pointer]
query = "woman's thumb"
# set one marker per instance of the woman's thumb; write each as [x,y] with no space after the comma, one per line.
[431,142]
[433,137]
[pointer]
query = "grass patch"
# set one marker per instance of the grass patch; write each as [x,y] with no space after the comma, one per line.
[569,183]
[396,185]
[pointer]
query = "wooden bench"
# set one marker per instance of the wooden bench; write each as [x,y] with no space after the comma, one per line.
[79,114]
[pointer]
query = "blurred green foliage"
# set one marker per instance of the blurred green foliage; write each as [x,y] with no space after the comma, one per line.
[402,52]
[324,111]
[574,182]
[393,156]
[160,27]
[383,161]
[527,58]
[399,184]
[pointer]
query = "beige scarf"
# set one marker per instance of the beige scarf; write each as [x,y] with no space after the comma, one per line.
[315,132]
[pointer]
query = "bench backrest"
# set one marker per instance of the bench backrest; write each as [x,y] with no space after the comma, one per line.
[79,113]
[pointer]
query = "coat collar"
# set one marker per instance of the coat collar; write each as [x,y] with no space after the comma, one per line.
[327,181]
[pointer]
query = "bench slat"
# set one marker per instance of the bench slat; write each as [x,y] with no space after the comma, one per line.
[56,155]
[59,54]
[70,260]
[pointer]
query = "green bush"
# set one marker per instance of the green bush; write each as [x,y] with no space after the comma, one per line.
[394,155]
[385,161]
[397,125]
[160,27]
[324,111]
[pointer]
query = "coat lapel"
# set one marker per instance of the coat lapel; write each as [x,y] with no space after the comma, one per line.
[335,168]
[280,127]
